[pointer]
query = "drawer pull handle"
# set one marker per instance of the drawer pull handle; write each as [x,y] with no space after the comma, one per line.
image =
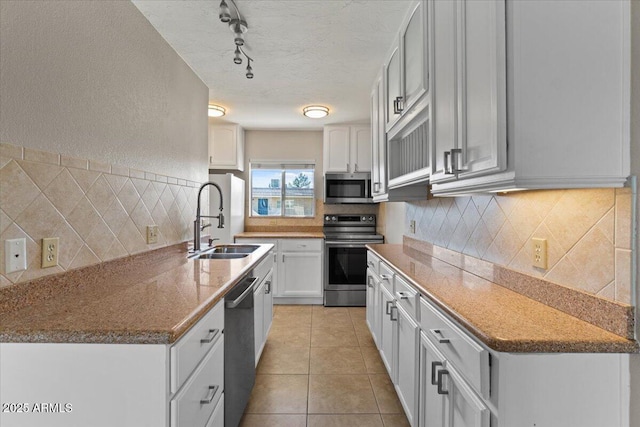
[391,314]
[211,335]
[442,373]
[387,309]
[213,389]
[438,334]
[386,277]
[434,365]
[370,264]
[402,295]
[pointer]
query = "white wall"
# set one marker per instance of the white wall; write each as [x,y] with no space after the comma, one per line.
[94,79]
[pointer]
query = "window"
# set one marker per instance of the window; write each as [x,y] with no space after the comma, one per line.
[282,189]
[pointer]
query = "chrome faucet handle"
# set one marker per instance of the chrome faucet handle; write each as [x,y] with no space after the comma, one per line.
[203,226]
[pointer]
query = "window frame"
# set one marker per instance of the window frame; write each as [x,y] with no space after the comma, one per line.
[283,166]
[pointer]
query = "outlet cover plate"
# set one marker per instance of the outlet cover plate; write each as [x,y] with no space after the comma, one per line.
[50,251]
[15,255]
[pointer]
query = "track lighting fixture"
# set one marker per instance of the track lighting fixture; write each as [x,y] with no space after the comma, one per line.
[249,69]
[225,16]
[238,26]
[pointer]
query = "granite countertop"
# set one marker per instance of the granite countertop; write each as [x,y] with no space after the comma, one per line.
[151,298]
[282,234]
[499,317]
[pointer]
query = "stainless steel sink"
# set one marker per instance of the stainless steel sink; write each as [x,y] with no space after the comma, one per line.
[226,252]
[233,249]
[218,255]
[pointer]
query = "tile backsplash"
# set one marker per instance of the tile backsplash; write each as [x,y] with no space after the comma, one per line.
[99,211]
[588,234]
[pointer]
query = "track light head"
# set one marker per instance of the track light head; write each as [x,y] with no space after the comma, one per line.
[249,70]
[238,58]
[225,15]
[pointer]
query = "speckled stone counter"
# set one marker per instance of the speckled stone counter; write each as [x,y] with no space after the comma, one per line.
[152,298]
[502,319]
[281,235]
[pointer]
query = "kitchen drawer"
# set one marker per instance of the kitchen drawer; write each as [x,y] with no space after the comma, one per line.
[301,245]
[373,262]
[386,277]
[263,268]
[194,404]
[408,297]
[217,418]
[191,348]
[469,358]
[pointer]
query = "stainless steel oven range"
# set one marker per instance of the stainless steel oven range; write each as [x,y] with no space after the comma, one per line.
[345,258]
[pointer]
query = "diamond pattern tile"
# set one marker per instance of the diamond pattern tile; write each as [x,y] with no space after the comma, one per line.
[582,227]
[97,215]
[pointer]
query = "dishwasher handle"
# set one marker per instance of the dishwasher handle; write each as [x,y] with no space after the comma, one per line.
[236,302]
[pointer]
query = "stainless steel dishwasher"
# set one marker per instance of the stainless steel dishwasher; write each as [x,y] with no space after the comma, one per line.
[239,351]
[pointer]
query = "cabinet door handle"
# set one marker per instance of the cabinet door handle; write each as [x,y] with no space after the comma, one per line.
[438,334]
[447,169]
[370,264]
[456,160]
[442,373]
[376,186]
[213,389]
[282,257]
[348,168]
[391,314]
[402,295]
[275,257]
[369,282]
[387,309]
[210,159]
[267,287]
[211,335]
[434,365]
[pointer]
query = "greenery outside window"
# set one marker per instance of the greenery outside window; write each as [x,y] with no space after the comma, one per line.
[282,189]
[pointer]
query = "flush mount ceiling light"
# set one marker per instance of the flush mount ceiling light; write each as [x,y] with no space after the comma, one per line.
[315,111]
[238,26]
[216,110]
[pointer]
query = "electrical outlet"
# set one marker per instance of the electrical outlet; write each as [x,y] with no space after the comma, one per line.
[15,255]
[50,251]
[539,257]
[412,226]
[152,234]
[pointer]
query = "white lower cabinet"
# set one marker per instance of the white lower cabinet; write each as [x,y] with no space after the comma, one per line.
[387,344]
[407,366]
[297,269]
[125,385]
[445,377]
[446,400]
[262,303]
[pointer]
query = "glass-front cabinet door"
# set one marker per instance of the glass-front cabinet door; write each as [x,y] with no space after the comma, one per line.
[414,55]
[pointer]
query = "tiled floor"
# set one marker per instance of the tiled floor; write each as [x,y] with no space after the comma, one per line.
[320,367]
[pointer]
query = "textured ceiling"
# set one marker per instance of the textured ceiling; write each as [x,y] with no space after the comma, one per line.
[305,52]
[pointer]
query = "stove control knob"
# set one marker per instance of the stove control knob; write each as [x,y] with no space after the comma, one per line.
[327,218]
[333,218]
[364,218]
[371,218]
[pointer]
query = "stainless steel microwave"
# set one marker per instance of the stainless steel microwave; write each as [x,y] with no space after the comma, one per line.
[347,188]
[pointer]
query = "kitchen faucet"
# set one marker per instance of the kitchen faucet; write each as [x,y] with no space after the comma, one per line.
[197,226]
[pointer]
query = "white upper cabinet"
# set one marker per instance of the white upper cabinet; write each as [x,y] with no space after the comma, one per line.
[347,148]
[468,88]
[566,69]
[226,147]
[405,71]
[378,142]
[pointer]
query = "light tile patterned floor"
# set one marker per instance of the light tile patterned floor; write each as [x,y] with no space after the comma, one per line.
[320,368]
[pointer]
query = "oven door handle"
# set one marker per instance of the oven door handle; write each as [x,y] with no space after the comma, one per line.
[351,242]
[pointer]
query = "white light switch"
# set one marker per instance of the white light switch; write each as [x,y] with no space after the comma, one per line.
[15,255]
